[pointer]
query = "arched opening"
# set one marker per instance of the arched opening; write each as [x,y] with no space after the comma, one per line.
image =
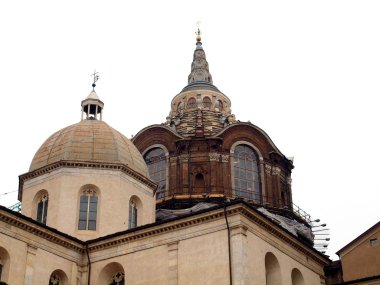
[88,208]
[206,102]
[135,210]
[4,264]
[199,183]
[156,161]
[245,173]
[191,103]
[297,278]
[40,206]
[58,277]
[112,274]
[272,270]
[218,105]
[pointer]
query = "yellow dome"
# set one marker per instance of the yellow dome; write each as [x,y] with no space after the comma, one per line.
[89,141]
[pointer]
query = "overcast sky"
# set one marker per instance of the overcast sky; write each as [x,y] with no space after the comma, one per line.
[306,72]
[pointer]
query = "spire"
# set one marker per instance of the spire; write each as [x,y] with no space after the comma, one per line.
[199,66]
[92,106]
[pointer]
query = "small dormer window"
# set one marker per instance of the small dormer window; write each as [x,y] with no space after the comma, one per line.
[373,242]
[218,104]
[192,103]
[206,102]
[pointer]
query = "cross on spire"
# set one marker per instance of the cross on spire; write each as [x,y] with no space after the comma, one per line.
[96,78]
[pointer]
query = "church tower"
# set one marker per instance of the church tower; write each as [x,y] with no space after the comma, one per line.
[203,154]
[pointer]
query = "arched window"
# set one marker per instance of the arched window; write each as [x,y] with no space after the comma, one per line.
[58,277]
[88,210]
[219,104]
[191,103]
[42,207]
[112,274]
[206,102]
[272,270]
[117,279]
[132,220]
[246,175]
[54,280]
[297,278]
[156,161]
[4,264]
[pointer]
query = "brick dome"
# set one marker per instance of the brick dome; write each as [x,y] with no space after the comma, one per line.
[89,141]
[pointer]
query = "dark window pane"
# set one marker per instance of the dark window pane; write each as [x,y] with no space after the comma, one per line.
[82,216]
[93,207]
[82,225]
[92,216]
[92,225]
[39,211]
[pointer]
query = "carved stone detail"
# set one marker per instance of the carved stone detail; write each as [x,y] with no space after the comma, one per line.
[214,156]
[184,158]
[225,157]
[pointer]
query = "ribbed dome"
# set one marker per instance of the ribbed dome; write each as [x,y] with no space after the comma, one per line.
[89,141]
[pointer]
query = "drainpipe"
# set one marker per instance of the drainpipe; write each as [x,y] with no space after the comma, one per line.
[229,244]
[89,266]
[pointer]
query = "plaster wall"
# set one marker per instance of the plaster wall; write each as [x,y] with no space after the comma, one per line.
[362,260]
[33,259]
[114,190]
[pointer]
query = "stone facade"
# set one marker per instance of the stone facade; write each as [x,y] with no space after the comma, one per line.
[88,203]
[191,250]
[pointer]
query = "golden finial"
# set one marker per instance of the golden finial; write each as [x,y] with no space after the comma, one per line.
[198,32]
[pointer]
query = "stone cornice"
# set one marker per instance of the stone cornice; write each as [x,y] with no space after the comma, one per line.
[161,228]
[74,164]
[280,233]
[52,235]
[158,228]
[209,215]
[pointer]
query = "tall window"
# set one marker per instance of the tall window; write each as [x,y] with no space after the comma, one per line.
[132,221]
[156,161]
[88,210]
[246,175]
[42,207]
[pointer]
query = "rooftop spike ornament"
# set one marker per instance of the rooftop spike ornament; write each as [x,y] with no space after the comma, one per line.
[96,78]
[198,32]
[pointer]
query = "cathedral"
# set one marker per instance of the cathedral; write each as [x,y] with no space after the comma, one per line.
[200,199]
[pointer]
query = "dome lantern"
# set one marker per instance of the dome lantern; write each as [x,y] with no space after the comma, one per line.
[92,106]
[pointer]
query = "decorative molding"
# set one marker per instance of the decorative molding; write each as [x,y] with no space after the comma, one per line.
[225,157]
[184,158]
[214,156]
[40,231]
[73,164]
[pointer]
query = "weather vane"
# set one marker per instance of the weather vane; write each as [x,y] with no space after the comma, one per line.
[96,78]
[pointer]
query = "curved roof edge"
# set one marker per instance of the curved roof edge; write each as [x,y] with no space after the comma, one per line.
[156,126]
[257,128]
[200,85]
